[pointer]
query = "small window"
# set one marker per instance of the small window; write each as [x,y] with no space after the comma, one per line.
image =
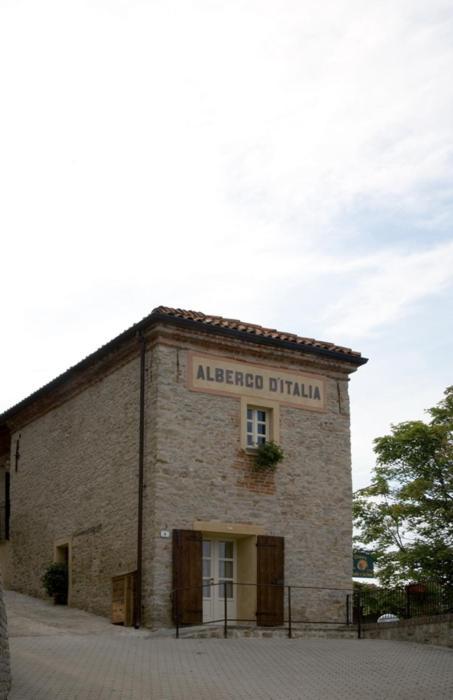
[258,426]
[260,423]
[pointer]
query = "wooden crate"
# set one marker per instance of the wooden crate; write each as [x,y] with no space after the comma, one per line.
[124,598]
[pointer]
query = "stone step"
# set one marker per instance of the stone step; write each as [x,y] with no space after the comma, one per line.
[305,631]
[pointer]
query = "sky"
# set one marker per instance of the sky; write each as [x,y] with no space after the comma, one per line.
[287,163]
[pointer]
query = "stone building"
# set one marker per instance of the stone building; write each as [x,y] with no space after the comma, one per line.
[142,458]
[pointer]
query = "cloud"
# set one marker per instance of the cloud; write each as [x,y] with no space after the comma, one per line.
[387,287]
[157,118]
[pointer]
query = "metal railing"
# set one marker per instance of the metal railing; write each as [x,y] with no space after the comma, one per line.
[411,601]
[298,604]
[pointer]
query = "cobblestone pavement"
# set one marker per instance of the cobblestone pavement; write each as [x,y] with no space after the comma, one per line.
[66,654]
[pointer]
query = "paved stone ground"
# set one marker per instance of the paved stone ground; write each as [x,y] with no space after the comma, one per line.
[66,654]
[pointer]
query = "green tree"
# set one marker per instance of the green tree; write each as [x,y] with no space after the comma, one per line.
[405,517]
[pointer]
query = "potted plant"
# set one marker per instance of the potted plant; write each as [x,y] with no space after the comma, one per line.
[55,582]
[267,456]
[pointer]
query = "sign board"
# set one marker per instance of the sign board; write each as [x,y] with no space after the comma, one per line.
[363,565]
[218,375]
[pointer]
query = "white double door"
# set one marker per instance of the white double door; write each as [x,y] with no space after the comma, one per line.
[219,573]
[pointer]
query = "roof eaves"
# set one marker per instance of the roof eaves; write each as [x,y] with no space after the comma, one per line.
[246,336]
[200,324]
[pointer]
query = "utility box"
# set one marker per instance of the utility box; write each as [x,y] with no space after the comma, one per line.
[124,598]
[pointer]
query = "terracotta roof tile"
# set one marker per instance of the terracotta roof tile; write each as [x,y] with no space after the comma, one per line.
[252,329]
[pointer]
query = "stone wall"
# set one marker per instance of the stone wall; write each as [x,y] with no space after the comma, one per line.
[200,473]
[436,629]
[5,670]
[76,483]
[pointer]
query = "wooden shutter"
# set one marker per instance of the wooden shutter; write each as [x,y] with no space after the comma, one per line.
[187,577]
[270,570]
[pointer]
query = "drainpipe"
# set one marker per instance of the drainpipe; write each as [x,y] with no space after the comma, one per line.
[141,451]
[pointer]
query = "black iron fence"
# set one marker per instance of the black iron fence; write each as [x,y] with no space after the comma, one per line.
[414,600]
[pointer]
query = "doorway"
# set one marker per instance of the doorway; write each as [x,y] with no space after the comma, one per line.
[62,556]
[219,573]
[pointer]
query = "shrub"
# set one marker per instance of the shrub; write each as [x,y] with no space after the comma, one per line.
[55,580]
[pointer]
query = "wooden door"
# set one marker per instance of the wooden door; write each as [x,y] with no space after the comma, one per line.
[270,580]
[124,599]
[187,577]
[118,601]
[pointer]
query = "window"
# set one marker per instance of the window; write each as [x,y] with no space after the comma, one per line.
[259,423]
[257,426]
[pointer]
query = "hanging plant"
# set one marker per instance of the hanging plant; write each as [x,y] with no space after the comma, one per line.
[268,455]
